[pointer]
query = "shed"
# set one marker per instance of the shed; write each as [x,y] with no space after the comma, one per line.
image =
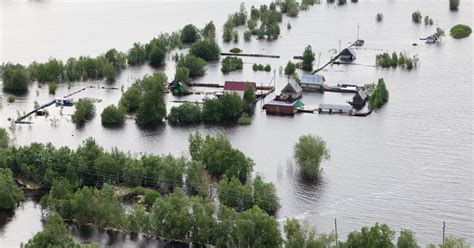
[359,98]
[238,87]
[179,88]
[335,108]
[312,82]
[291,91]
[347,54]
[280,108]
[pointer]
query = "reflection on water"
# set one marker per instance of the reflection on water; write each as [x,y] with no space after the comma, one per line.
[408,164]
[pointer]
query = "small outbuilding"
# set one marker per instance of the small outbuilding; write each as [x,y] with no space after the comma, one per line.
[291,91]
[281,108]
[180,88]
[359,99]
[347,54]
[312,82]
[238,87]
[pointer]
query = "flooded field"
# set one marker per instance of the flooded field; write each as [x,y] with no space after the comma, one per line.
[408,165]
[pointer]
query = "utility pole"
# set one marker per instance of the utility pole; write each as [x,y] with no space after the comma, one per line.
[319,60]
[358,31]
[339,47]
[335,228]
[444,230]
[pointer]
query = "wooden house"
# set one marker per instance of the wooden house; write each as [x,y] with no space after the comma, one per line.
[359,99]
[180,88]
[312,82]
[280,108]
[347,54]
[291,91]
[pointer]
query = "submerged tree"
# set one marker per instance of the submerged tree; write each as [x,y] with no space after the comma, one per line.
[308,58]
[309,152]
[454,4]
[15,78]
[4,138]
[189,34]
[85,111]
[10,193]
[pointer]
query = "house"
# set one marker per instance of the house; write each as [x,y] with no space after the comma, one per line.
[238,87]
[335,108]
[359,99]
[179,88]
[280,108]
[291,91]
[312,82]
[347,54]
[63,102]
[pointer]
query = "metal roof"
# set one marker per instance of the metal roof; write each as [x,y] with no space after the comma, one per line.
[238,85]
[292,86]
[281,103]
[335,106]
[312,79]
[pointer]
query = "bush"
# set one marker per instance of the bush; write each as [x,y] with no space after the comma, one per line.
[10,194]
[15,78]
[460,31]
[245,119]
[416,17]
[454,4]
[186,113]
[189,34]
[52,87]
[85,111]
[379,95]
[157,56]
[206,49]
[226,108]
[385,60]
[428,20]
[4,138]
[137,54]
[182,74]
[379,17]
[260,67]
[11,99]
[113,115]
[309,152]
[195,65]
[268,68]
[308,58]
[290,68]
[231,64]
[235,50]
[131,98]
[108,72]
[152,108]
[209,31]
[247,35]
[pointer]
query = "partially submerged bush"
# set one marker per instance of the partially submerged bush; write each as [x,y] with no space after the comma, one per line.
[52,87]
[416,17]
[245,119]
[85,111]
[113,115]
[231,64]
[454,4]
[460,31]
[379,17]
[11,99]
[309,152]
[379,95]
[186,113]
[235,50]
[15,78]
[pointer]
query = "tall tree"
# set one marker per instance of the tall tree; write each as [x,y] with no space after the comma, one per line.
[10,194]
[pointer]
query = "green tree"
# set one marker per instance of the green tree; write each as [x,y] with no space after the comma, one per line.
[379,95]
[131,98]
[209,31]
[195,65]
[52,87]
[308,58]
[157,56]
[452,241]
[136,55]
[112,115]
[182,74]
[15,78]
[379,235]
[186,113]
[265,196]
[4,138]
[195,144]
[460,31]
[197,178]
[255,228]
[309,152]
[416,17]
[407,239]
[116,58]
[152,108]
[54,234]
[10,194]
[298,235]
[231,64]
[85,111]
[189,34]
[206,49]
[290,68]
[454,4]
[226,108]
[249,96]
[109,72]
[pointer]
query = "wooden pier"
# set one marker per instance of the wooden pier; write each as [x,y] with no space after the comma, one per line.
[251,55]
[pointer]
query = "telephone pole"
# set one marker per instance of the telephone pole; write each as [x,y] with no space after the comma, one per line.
[444,230]
[335,228]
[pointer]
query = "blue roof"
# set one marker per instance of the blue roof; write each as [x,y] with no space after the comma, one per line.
[312,79]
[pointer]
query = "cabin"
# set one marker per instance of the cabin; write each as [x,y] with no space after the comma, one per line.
[291,91]
[347,54]
[359,99]
[238,87]
[280,108]
[63,102]
[312,82]
[180,88]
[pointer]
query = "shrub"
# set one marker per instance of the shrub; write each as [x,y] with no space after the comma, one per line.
[182,74]
[113,115]
[137,54]
[10,194]
[108,72]
[379,17]
[186,113]
[194,64]
[15,78]
[4,138]
[11,99]
[428,20]
[308,58]
[267,68]
[152,108]
[85,111]
[209,31]
[206,49]
[460,31]
[309,152]
[231,64]
[247,35]
[235,50]
[454,4]
[379,95]
[189,34]
[290,68]
[52,87]
[131,98]
[226,108]
[416,17]
[157,56]
[244,119]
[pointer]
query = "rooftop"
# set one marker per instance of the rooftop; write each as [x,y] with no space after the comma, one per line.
[238,85]
[312,79]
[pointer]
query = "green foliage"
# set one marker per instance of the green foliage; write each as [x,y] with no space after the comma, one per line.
[10,194]
[53,70]
[460,31]
[197,178]
[290,68]
[209,31]
[116,58]
[152,109]
[454,4]
[428,20]
[235,50]
[4,138]
[245,119]
[186,113]
[157,56]
[131,98]
[406,239]
[452,241]
[195,65]
[308,58]
[231,64]
[439,33]
[379,235]
[416,17]
[298,235]
[247,35]
[403,60]
[309,152]
[189,34]
[52,87]
[11,99]
[15,78]
[379,17]
[228,32]
[219,158]
[109,72]
[113,115]
[182,74]
[379,95]
[137,54]
[290,7]
[206,49]
[85,111]
[249,96]
[54,234]
[226,108]
[195,143]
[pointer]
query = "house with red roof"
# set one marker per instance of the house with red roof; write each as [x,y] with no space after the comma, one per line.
[238,87]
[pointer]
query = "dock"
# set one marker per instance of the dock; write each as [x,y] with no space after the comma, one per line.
[342,88]
[251,55]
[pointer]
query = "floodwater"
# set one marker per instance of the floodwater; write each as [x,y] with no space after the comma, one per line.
[408,164]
